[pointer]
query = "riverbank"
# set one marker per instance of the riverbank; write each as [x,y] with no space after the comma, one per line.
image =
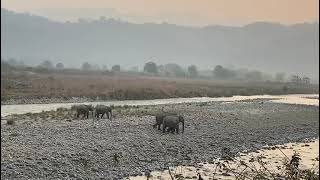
[43,145]
[266,161]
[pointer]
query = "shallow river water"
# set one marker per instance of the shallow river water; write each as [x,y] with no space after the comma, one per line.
[306,99]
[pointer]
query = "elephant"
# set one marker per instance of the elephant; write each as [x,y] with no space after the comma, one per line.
[172,122]
[159,119]
[82,109]
[102,109]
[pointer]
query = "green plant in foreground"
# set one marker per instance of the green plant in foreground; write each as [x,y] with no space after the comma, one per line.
[116,158]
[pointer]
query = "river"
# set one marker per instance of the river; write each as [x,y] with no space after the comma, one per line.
[305,99]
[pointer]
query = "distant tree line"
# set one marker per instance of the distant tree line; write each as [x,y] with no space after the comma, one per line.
[169,70]
[300,80]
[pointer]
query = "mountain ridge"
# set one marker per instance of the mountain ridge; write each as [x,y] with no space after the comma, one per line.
[270,47]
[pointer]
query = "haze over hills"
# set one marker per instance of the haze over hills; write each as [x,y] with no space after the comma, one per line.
[268,47]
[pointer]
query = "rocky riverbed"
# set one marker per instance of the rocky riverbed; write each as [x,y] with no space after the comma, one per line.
[52,145]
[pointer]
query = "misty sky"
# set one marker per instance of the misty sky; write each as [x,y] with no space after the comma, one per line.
[184,12]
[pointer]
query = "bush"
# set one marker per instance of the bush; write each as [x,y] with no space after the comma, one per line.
[151,67]
[10,122]
[116,68]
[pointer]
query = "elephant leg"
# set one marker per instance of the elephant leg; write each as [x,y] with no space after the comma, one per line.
[108,115]
[159,126]
[164,128]
[177,129]
[102,115]
[173,130]
[155,125]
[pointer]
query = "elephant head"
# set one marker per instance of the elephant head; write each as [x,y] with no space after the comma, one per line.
[90,108]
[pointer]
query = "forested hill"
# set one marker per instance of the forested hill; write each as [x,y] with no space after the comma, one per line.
[265,46]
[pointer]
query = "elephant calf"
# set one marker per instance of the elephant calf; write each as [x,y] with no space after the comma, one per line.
[82,109]
[102,109]
[159,119]
[172,122]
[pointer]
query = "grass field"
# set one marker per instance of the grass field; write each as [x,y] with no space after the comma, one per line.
[124,86]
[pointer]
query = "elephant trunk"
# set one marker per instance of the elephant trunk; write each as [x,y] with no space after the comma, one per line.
[183,126]
[181,119]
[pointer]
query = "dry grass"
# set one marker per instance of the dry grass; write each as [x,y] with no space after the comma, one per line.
[123,86]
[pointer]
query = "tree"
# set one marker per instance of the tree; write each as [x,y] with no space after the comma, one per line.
[102,19]
[223,73]
[134,69]
[279,77]
[21,63]
[296,79]
[13,62]
[254,76]
[104,67]
[115,68]
[161,69]
[306,80]
[193,71]
[96,67]
[150,67]
[174,69]
[59,66]
[86,66]
[46,64]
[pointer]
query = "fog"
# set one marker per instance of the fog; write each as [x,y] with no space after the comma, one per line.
[263,46]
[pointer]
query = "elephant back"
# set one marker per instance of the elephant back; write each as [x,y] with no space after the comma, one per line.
[102,108]
[82,108]
[171,120]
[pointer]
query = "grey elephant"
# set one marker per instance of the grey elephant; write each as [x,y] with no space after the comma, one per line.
[172,122]
[159,119]
[102,109]
[82,109]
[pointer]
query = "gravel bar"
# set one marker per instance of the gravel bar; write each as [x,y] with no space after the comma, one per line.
[77,149]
